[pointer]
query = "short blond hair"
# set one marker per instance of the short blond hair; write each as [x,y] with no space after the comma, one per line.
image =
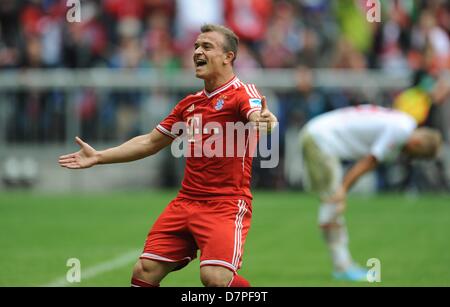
[431,140]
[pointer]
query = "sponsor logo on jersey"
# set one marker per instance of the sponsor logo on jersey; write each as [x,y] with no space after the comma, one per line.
[255,103]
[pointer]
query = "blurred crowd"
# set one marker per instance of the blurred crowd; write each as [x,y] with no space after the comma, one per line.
[413,35]
[273,33]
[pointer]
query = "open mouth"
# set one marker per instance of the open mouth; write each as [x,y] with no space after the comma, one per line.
[200,62]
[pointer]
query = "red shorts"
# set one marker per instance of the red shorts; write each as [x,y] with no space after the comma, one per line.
[217,227]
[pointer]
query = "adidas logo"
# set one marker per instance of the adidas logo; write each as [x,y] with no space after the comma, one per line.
[191,108]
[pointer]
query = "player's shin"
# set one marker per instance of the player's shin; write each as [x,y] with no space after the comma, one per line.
[334,231]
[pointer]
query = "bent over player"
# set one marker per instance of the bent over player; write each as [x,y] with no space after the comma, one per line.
[212,211]
[366,134]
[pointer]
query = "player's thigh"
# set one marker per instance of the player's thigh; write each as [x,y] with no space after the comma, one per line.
[221,231]
[334,178]
[323,172]
[170,240]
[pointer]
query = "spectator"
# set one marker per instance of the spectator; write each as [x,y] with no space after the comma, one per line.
[249,19]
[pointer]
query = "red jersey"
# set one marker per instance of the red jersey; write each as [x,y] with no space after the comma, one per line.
[225,176]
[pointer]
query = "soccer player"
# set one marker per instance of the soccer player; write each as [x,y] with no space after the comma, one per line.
[212,211]
[366,134]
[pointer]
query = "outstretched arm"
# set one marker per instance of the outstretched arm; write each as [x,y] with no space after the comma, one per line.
[137,148]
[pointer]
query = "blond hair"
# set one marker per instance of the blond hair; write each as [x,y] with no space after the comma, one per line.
[431,140]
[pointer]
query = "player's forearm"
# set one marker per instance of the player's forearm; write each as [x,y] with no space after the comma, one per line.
[359,169]
[134,149]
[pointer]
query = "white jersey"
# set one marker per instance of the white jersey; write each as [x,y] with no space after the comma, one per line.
[354,132]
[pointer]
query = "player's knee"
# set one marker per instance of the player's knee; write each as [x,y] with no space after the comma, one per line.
[215,276]
[144,267]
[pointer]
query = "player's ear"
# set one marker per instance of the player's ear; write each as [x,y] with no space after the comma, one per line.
[229,57]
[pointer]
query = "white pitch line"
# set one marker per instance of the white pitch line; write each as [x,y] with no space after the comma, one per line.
[98,269]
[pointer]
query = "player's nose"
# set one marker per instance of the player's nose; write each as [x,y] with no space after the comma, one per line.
[198,51]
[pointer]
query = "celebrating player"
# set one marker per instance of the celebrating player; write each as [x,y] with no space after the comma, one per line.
[212,211]
[369,135]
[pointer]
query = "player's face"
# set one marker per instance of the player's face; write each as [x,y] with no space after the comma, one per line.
[209,55]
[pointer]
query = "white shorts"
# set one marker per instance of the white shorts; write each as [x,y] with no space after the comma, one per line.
[323,172]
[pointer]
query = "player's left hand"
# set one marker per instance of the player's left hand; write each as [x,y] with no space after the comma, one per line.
[266,116]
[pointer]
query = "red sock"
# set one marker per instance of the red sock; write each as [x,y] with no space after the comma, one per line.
[239,282]
[140,283]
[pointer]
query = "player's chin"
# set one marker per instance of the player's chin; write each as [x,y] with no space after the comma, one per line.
[200,73]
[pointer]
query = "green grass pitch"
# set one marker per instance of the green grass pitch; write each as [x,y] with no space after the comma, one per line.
[410,236]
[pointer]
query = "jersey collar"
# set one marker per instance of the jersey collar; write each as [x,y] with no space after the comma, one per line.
[222,88]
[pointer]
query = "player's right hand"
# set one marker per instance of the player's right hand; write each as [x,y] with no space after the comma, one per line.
[84,158]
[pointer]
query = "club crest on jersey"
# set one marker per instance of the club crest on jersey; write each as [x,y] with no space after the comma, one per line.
[219,104]
[255,103]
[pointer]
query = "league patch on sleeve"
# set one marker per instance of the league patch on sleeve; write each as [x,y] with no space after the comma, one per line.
[255,103]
